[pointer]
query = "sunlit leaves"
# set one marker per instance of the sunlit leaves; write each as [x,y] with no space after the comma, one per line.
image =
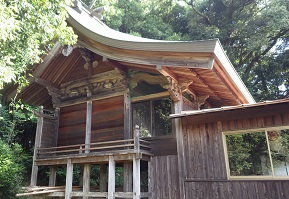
[28,29]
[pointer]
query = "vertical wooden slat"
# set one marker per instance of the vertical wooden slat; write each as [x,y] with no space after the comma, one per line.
[88,125]
[102,178]
[111,178]
[127,177]
[39,128]
[127,117]
[57,115]
[86,179]
[52,176]
[69,178]
[177,130]
[136,178]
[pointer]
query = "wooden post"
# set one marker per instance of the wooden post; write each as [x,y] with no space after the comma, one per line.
[37,145]
[177,130]
[136,139]
[150,177]
[111,178]
[127,166]
[127,117]
[102,178]
[69,178]
[56,114]
[127,177]
[136,177]
[52,176]
[86,179]
[88,125]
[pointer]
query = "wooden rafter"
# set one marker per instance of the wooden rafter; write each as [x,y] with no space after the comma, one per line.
[166,72]
[204,83]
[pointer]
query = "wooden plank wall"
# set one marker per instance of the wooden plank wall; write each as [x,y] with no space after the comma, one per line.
[163,145]
[238,189]
[108,119]
[205,161]
[48,138]
[72,124]
[258,122]
[164,177]
[204,152]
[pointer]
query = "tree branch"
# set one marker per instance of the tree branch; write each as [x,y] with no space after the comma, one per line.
[190,3]
[256,58]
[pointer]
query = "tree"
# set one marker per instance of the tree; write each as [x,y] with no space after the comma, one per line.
[11,169]
[249,30]
[28,29]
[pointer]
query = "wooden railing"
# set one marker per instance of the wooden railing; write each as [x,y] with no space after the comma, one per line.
[129,145]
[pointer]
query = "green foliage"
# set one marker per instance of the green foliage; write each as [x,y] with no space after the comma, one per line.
[12,118]
[28,29]
[11,168]
[250,31]
[244,153]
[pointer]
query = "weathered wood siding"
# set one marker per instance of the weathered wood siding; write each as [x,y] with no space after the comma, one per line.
[72,124]
[108,119]
[205,170]
[163,145]
[238,189]
[258,122]
[204,151]
[48,137]
[164,182]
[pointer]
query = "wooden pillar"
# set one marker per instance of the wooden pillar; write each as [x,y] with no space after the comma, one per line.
[102,178]
[88,126]
[69,178]
[150,177]
[127,166]
[86,179]
[37,145]
[52,176]
[111,178]
[136,139]
[127,177]
[57,115]
[177,130]
[86,167]
[136,177]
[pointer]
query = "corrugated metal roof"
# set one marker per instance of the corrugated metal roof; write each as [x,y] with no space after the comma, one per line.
[228,108]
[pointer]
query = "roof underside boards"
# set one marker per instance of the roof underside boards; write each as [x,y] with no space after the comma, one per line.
[99,38]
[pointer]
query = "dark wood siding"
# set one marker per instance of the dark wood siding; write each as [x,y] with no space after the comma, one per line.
[163,145]
[108,119]
[72,125]
[238,189]
[164,177]
[204,152]
[258,122]
[48,138]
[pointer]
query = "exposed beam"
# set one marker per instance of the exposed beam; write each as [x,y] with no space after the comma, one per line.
[166,72]
[117,65]
[45,83]
[204,82]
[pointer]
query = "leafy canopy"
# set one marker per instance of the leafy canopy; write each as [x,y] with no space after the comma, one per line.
[251,32]
[28,29]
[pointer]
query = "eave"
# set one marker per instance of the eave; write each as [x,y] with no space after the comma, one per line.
[201,67]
